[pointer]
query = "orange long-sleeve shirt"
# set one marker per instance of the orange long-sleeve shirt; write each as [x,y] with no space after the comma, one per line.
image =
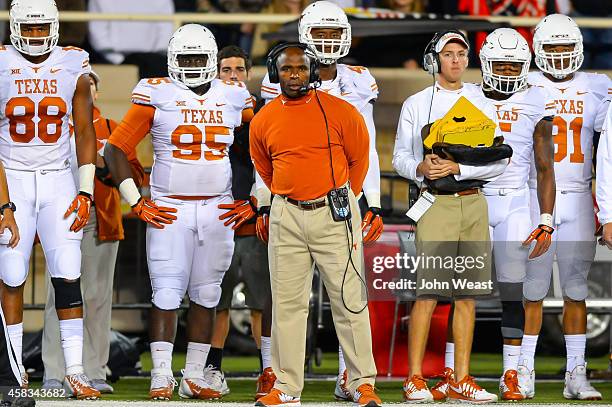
[106,198]
[288,143]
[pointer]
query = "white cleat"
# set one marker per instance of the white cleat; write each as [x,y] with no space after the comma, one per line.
[78,386]
[526,381]
[341,393]
[216,379]
[577,386]
[162,386]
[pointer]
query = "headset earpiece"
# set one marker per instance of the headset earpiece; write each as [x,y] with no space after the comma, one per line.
[278,50]
[430,63]
[431,59]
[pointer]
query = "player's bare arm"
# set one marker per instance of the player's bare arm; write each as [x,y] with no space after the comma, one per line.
[544,150]
[8,218]
[121,171]
[85,138]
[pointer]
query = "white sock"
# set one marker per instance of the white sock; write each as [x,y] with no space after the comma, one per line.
[449,355]
[161,355]
[528,349]
[71,335]
[511,357]
[266,352]
[15,333]
[575,346]
[197,353]
[341,363]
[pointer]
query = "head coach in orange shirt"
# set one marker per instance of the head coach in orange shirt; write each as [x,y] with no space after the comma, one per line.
[311,150]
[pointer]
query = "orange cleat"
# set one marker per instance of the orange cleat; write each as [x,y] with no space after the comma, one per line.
[276,398]
[265,382]
[509,387]
[77,386]
[416,391]
[440,390]
[365,396]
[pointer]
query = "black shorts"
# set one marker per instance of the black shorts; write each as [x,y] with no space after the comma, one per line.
[249,265]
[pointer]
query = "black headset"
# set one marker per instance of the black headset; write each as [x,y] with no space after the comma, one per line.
[431,59]
[278,50]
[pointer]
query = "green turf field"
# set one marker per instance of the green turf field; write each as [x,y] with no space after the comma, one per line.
[321,390]
[483,364]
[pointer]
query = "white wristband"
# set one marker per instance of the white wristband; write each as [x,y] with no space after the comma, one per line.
[129,191]
[373,199]
[86,178]
[546,219]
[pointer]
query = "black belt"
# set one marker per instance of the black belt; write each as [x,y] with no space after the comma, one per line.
[307,206]
[471,191]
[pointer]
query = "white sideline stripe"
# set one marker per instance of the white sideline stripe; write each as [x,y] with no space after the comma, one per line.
[73,403]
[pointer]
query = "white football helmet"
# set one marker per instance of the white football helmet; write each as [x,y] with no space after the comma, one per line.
[505,45]
[192,39]
[558,29]
[324,14]
[34,12]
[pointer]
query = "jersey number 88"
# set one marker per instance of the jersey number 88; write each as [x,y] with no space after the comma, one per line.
[21,112]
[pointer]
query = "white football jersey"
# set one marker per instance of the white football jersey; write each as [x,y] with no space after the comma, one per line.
[577,103]
[35,107]
[355,84]
[191,135]
[518,116]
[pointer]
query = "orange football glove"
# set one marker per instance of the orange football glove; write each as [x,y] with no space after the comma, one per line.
[148,211]
[263,223]
[239,212]
[374,222]
[543,237]
[81,204]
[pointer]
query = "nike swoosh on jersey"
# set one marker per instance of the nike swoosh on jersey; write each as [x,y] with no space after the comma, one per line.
[55,70]
[581,93]
[220,104]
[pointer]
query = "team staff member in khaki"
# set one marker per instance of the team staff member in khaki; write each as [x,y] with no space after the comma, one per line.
[99,249]
[289,146]
[455,225]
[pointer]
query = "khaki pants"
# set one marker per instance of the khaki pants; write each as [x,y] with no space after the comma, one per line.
[454,235]
[297,239]
[97,272]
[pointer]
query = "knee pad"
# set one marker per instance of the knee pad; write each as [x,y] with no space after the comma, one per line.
[206,295]
[67,293]
[513,319]
[576,289]
[510,292]
[167,299]
[14,268]
[513,313]
[65,261]
[535,290]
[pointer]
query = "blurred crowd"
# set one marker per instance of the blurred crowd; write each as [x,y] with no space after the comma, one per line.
[144,43]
